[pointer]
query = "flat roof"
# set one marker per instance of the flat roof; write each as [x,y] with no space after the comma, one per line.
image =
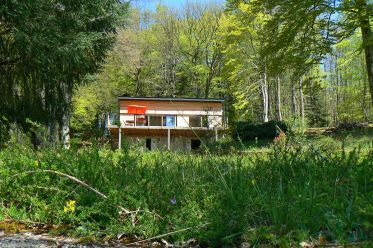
[171,99]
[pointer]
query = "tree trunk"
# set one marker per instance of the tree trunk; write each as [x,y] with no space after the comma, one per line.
[301,101]
[139,91]
[212,70]
[53,132]
[209,78]
[278,99]
[264,90]
[208,85]
[364,103]
[367,36]
[173,78]
[65,131]
[65,120]
[337,92]
[294,101]
[269,99]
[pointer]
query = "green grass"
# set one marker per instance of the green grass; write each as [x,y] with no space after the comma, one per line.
[352,139]
[360,137]
[288,194]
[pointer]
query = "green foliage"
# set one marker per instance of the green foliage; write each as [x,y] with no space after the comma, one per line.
[250,131]
[242,35]
[157,54]
[285,196]
[238,54]
[291,39]
[346,74]
[46,49]
[316,106]
[4,130]
[308,30]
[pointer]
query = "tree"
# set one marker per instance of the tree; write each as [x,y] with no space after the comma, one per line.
[307,29]
[46,48]
[199,46]
[243,34]
[347,82]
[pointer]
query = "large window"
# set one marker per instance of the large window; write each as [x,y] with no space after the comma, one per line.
[169,121]
[155,121]
[205,121]
[195,121]
[141,120]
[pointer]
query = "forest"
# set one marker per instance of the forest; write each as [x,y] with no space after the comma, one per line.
[292,169]
[203,50]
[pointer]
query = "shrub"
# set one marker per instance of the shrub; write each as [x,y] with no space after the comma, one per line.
[249,131]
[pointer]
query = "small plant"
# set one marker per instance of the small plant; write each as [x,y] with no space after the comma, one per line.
[69,206]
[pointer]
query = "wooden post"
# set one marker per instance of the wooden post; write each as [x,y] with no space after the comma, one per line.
[120,137]
[169,139]
[216,134]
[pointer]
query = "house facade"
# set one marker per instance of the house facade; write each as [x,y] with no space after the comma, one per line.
[167,123]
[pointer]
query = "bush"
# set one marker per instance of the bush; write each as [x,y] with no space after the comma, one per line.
[249,131]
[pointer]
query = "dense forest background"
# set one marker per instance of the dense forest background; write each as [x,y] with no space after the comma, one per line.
[204,50]
[308,63]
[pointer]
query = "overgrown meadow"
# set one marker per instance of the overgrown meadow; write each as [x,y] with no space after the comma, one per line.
[289,194]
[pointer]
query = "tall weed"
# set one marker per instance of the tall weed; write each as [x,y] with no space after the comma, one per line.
[288,195]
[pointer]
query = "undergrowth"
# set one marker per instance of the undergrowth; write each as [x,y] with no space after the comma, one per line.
[290,194]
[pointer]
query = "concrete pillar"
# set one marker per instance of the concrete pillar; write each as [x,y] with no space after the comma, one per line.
[169,139]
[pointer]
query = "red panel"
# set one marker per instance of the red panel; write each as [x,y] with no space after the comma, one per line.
[136,109]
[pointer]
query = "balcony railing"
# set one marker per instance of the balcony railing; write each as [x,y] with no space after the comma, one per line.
[164,121]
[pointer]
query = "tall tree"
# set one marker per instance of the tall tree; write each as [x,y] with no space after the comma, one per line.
[309,28]
[243,34]
[346,81]
[46,48]
[199,45]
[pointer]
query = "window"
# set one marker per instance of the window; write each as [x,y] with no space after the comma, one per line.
[155,121]
[128,120]
[195,144]
[141,120]
[205,121]
[195,121]
[169,121]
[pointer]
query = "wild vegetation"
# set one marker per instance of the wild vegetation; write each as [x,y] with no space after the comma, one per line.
[292,194]
[303,67]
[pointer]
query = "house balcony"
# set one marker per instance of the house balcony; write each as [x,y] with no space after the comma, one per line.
[165,122]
